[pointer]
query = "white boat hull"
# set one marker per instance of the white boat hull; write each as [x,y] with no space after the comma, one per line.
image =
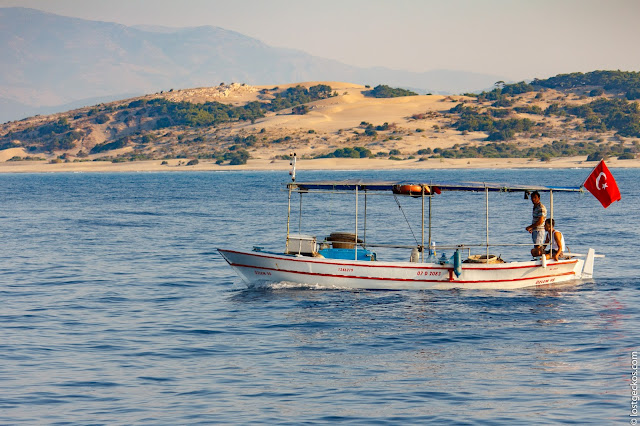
[260,267]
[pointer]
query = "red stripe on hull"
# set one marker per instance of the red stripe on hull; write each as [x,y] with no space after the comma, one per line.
[373,265]
[400,279]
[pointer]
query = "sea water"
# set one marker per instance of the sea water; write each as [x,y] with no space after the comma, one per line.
[117,309]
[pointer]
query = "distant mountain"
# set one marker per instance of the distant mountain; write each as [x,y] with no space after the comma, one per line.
[49,61]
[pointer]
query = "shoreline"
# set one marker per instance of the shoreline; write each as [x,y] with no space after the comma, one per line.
[314,164]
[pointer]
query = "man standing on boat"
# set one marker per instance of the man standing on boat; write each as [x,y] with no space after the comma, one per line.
[537,225]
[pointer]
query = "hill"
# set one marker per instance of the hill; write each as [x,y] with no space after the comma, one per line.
[228,124]
[51,60]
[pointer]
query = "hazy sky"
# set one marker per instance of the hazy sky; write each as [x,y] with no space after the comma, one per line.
[511,38]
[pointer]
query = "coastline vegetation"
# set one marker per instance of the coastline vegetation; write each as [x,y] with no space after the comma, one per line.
[158,114]
[587,114]
[593,151]
[355,152]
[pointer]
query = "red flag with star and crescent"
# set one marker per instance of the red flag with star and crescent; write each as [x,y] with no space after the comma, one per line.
[602,185]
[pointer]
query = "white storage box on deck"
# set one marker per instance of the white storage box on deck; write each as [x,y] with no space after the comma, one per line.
[303,244]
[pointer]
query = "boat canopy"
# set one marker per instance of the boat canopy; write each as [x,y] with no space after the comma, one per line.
[429,187]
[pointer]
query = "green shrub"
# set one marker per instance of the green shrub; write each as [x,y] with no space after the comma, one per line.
[108,146]
[250,140]
[7,145]
[370,132]
[101,119]
[355,152]
[300,110]
[384,91]
[499,112]
[596,156]
[627,156]
[237,157]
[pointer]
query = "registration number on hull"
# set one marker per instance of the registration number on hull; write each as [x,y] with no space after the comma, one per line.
[429,273]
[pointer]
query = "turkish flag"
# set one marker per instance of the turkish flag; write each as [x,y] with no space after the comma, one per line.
[602,185]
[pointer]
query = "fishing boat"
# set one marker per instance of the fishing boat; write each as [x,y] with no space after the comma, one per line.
[347,260]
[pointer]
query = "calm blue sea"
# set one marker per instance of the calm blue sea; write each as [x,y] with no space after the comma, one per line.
[115,308]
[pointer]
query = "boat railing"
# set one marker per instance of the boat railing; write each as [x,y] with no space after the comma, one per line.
[445,246]
[467,247]
[464,246]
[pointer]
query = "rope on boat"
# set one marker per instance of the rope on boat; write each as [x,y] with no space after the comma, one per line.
[405,218]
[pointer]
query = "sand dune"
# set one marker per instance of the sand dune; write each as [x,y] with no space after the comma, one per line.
[7,154]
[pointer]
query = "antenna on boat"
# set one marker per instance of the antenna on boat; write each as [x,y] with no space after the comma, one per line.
[292,163]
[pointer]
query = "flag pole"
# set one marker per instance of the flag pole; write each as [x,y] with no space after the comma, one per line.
[550,223]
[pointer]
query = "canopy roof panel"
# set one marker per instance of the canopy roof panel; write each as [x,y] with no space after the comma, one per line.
[431,186]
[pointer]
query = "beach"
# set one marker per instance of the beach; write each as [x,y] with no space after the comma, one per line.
[309,164]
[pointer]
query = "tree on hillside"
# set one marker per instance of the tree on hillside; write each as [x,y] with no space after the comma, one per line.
[320,91]
[384,91]
[300,110]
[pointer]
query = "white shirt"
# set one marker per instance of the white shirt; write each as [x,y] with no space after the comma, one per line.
[554,245]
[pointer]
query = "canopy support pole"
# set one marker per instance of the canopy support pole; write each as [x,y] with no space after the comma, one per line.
[288,216]
[300,216]
[550,222]
[422,242]
[364,237]
[430,196]
[486,194]
[356,238]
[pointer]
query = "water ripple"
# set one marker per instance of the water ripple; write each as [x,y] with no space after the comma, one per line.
[116,309]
